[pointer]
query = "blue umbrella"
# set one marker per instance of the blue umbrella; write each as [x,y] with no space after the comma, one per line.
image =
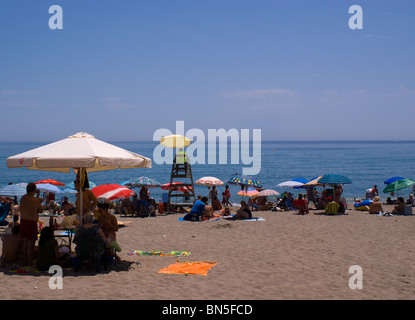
[142,182]
[47,187]
[72,185]
[334,179]
[302,180]
[393,179]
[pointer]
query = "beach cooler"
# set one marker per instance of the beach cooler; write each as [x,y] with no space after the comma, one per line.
[408,211]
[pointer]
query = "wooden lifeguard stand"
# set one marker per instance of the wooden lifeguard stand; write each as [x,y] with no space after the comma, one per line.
[181,172]
[181,169]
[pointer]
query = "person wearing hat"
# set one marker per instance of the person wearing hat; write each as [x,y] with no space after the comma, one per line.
[332,206]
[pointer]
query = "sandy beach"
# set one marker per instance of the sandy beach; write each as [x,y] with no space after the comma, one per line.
[286,256]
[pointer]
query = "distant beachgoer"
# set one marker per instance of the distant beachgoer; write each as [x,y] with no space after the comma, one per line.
[243,212]
[216,204]
[310,195]
[49,254]
[89,200]
[12,246]
[67,207]
[400,207]
[300,204]
[30,207]
[227,195]
[213,194]
[332,206]
[375,191]
[338,190]
[375,206]
[197,209]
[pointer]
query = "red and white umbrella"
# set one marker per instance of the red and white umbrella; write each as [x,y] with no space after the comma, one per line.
[209,181]
[112,192]
[54,182]
[177,186]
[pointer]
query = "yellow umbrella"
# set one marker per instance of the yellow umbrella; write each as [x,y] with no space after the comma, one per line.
[313,183]
[175,141]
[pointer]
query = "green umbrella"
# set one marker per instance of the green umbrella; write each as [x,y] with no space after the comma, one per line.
[399,185]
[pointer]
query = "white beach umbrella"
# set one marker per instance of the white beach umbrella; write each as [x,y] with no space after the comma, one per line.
[80,151]
[290,184]
[268,193]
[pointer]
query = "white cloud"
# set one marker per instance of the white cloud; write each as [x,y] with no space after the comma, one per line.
[257,93]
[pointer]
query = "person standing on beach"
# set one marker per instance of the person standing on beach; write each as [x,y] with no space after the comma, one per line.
[227,196]
[30,207]
[89,201]
[213,194]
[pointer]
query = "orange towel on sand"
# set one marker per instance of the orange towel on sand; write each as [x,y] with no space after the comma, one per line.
[189,267]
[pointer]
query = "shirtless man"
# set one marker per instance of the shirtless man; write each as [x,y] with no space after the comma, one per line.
[30,207]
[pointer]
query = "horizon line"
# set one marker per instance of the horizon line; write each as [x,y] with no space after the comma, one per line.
[264,140]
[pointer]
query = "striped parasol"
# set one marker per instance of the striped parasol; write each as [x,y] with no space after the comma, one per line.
[142,182]
[112,192]
[248,193]
[209,181]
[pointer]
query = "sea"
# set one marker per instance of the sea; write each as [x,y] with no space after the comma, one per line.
[366,163]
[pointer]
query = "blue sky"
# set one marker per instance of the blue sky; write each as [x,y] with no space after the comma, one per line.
[120,69]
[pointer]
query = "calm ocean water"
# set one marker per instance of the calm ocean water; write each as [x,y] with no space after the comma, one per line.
[365,163]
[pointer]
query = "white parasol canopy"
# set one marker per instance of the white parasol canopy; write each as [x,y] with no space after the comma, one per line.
[209,181]
[81,150]
[290,184]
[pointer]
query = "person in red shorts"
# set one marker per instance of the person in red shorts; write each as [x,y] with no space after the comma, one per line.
[30,207]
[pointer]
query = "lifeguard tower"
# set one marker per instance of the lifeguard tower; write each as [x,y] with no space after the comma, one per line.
[181,179]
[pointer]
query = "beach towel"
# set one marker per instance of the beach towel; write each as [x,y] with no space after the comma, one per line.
[189,267]
[160,253]
[255,219]
[24,270]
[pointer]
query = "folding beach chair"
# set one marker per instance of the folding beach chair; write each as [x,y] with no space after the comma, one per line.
[4,211]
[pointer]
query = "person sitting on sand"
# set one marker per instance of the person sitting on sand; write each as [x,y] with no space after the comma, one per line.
[107,221]
[252,204]
[67,207]
[48,253]
[90,241]
[198,209]
[216,204]
[332,206]
[225,212]
[127,206]
[243,212]
[410,200]
[12,246]
[400,207]
[208,213]
[300,204]
[375,206]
